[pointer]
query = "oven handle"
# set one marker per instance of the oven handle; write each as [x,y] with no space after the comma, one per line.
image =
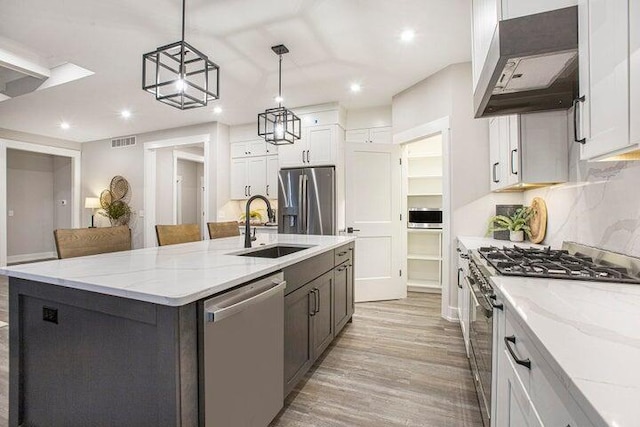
[495,304]
[524,362]
[487,313]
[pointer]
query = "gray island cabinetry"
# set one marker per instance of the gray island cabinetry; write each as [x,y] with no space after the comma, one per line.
[117,339]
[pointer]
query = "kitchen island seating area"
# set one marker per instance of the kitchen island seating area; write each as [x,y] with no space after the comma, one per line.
[78,242]
[218,230]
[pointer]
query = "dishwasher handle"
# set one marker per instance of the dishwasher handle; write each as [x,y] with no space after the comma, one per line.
[221,308]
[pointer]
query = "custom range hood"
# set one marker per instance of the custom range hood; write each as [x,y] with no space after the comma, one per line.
[532,65]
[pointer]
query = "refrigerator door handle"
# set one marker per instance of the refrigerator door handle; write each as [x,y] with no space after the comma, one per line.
[300,201]
[306,204]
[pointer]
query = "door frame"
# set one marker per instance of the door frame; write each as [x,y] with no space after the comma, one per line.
[183,155]
[149,149]
[439,126]
[74,155]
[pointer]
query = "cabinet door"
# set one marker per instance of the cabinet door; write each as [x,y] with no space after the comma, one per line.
[495,142]
[634,68]
[357,135]
[293,155]
[257,175]
[321,145]
[513,150]
[238,179]
[298,356]
[257,148]
[485,15]
[271,149]
[322,319]
[271,191]
[239,149]
[380,135]
[515,408]
[606,85]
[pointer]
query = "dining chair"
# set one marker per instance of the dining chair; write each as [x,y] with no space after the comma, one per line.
[218,230]
[175,234]
[76,242]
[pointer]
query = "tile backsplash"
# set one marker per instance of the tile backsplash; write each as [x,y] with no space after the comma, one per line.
[600,206]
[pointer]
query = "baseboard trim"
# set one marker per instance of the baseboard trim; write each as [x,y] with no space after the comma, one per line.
[14,259]
[451,315]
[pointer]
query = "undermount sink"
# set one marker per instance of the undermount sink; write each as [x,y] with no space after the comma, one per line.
[274,251]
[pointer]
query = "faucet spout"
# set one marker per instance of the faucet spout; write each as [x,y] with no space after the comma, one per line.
[247,224]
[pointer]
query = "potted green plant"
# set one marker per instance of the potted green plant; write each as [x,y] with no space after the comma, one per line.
[254,217]
[118,213]
[517,224]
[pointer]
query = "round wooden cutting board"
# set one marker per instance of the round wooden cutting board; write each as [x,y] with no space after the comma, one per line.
[538,222]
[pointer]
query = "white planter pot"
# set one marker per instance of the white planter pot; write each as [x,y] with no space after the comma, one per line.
[516,236]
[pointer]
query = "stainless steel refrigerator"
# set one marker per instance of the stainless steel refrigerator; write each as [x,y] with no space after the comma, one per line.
[307,201]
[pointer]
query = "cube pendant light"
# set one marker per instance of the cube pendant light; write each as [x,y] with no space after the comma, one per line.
[180,75]
[279,126]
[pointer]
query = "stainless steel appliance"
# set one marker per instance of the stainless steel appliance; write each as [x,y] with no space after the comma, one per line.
[306,201]
[532,65]
[243,356]
[425,218]
[573,262]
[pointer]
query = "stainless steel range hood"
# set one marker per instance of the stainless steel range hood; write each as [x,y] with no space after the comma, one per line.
[532,65]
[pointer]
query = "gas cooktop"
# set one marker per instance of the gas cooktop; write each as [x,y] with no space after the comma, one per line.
[555,264]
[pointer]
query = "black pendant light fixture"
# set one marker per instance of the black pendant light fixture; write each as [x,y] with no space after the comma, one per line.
[180,75]
[279,126]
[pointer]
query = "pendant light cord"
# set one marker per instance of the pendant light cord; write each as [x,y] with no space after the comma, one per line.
[280,81]
[183,17]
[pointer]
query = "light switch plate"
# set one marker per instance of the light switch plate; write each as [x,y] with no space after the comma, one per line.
[10,213]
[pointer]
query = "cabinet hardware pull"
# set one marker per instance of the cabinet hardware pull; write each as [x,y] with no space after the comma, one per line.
[496,304]
[316,292]
[464,256]
[495,174]
[575,120]
[267,189]
[303,156]
[459,271]
[343,253]
[308,157]
[245,190]
[343,268]
[312,311]
[249,190]
[514,151]
[524,362]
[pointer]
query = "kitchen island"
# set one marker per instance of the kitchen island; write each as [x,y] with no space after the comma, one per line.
[116,339]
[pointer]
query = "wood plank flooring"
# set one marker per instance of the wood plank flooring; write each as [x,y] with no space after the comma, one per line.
[397,364]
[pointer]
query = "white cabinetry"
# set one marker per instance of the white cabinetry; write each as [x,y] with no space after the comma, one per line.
[528,391]
[487,14]
[254,169]
[319,146]
[528,150]
[609,72]
[377,135]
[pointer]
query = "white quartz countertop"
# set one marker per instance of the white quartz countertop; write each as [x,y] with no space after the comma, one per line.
[173,275]
[589,332]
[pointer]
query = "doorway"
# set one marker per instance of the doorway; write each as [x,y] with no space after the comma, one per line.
[39,192]
[189,189]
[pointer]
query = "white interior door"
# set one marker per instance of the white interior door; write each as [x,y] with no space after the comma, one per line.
[373,212]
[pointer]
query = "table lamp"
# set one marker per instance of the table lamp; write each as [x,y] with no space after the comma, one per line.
[92,203]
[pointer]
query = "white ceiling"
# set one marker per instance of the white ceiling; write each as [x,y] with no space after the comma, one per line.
[332,43]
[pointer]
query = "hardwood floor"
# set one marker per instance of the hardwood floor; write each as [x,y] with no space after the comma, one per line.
[397,364]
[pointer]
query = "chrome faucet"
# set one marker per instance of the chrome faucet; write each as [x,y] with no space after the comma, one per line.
[247,217]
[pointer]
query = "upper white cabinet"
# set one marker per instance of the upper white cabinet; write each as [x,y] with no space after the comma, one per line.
[528,150]
[377,135]
[273,167]
[254,169]
[319,146]
[608,112]
[487,13]
[252,148]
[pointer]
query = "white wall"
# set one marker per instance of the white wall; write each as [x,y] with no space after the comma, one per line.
[448,93]
[164,186]
[100,163]
[188,170]
[39,139]
[30,195]
[62,182]
[598,207]
[363,118]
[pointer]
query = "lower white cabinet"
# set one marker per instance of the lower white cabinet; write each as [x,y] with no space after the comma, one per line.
[527,391]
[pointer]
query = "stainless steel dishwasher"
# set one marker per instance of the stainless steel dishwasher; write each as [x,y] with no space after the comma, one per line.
[243,354]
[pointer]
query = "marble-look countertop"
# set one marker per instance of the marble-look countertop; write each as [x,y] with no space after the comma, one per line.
[173,275]
[589,332]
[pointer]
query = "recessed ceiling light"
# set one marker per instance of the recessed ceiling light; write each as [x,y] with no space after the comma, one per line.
[64,125]
[279,99]
[125,114]
[217,110]
[407,35]
[355,87]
